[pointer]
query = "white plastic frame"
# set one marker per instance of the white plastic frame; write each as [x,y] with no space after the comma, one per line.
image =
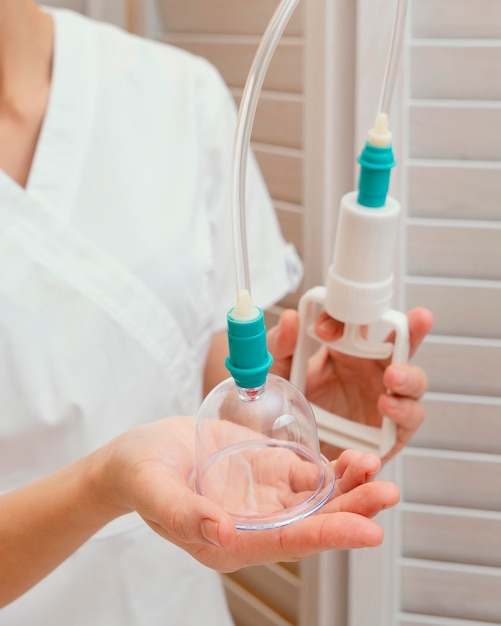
[334,429]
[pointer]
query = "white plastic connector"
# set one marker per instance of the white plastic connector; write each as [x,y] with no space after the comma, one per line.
[381,136]
[244,310]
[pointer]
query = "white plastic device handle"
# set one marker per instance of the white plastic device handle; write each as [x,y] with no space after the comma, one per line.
[333,429]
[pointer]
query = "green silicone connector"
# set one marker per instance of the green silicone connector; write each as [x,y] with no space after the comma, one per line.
[249,360]
[374,182]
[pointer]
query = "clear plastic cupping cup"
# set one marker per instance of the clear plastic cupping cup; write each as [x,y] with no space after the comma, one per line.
[258,455]
[257,448]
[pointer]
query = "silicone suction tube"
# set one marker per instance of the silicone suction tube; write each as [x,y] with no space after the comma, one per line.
[391,71]
[247,112]
[246,115]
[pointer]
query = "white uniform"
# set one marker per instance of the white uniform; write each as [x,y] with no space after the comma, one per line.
[117,268]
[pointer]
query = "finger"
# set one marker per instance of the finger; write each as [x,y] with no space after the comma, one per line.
[420,323]
[282,338]
[327,328]
[187,518]
[304,476]
[320,532]
[368,499]
[339,531]
[355,468]
[408,414]
[344,523]
[405,380]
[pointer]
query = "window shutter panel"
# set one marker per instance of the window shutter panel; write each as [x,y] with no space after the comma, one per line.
[446,549]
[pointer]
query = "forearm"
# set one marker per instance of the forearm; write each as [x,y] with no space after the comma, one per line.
[43,523]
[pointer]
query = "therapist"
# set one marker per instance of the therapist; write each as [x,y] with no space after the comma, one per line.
[117,273]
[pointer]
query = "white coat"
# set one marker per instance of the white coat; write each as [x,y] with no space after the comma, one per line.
[117,268]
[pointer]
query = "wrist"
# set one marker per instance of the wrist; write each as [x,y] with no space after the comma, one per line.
[103,484]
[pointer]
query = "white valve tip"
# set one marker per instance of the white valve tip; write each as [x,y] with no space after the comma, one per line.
[244,309]
[381,136]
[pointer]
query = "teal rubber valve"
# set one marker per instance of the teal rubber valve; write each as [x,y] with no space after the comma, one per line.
[249,360]
[376,164]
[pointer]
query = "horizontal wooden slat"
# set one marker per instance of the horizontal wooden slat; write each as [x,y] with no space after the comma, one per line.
[454,249]
[455,479]
[279,120]
[73,5]
[461,365]
[455,190]
[466,423]
[224,16]
[291,224]
[294,567]
[282,170]
[449,591]
[455,71]
[274,585]
[453,535]
[456,18]
[248,610]
[447,131]
[460,307]
[409,619]
[233,57]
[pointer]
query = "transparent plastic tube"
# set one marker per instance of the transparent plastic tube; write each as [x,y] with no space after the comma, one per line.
[247,114]
[390,74]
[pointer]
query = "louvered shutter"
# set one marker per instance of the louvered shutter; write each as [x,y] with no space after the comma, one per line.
[445,552]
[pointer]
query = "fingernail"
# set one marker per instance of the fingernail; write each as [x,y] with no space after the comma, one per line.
[209,531]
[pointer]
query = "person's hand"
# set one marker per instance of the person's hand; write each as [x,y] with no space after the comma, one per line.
[149,469]
[359,389]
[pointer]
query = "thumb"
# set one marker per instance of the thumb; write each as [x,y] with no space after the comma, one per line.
[282,337]
[184,517]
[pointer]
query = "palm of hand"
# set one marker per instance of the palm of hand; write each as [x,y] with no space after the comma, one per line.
[267,479]
[345,385]
[151,472]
